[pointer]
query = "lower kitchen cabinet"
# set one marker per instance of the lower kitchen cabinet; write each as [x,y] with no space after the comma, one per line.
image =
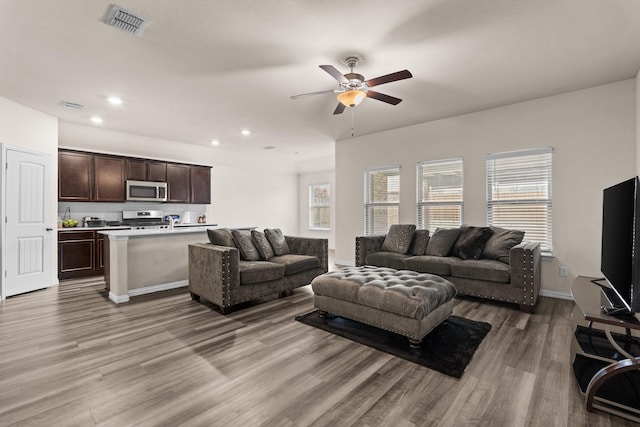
[80,254]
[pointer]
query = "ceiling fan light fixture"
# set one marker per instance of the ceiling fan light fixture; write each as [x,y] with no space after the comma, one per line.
[351,98]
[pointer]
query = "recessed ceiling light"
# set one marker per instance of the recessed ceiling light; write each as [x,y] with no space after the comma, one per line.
[246,132]
[215,142]
[114,100]
[268,147]
[97,120]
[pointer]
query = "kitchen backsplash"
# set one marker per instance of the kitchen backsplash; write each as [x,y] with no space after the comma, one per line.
[113,211]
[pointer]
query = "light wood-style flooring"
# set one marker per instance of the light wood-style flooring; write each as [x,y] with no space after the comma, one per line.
[70,357]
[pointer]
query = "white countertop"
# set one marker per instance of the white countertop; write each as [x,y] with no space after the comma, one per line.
[106,227]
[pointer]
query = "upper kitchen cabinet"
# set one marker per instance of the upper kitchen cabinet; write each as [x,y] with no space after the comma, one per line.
[137,169]
[201,185]
[109,179]
[156,171]
[146,170]
[178,183]
[75,176]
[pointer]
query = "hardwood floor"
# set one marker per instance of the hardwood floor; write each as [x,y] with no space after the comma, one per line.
[68,357]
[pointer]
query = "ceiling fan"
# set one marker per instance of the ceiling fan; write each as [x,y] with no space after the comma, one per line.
[353,88]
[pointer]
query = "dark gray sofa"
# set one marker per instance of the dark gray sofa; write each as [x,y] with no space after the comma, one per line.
[218,274]
[514,278]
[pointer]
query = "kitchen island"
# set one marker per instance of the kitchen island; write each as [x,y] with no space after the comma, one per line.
[142,261]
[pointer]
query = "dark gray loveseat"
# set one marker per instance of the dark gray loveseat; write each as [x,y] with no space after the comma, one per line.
[222,274]
[507,269]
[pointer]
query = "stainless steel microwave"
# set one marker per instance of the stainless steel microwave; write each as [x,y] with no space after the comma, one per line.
[146,191]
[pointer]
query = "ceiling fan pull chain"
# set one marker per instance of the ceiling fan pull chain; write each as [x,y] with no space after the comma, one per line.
[352,131]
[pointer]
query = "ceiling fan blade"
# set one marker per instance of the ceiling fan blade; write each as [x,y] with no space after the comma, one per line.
[398,75]
[384,98]
[303,95]
[335,73]
[340,108]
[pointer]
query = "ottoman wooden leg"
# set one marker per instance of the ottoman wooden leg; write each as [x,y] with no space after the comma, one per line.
[322,314]
[415,344]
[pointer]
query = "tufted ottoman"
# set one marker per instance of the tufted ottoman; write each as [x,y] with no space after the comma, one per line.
[401,301]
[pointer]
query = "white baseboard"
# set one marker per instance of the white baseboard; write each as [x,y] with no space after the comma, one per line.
[118,299]
[556,294]
[158,288]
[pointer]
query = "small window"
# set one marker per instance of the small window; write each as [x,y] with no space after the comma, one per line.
[440,202]
[381,200]
[519,193]
[319,206]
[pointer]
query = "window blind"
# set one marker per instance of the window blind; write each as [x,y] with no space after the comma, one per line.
[381,199]
[440,199]
[519,193]
[319,206]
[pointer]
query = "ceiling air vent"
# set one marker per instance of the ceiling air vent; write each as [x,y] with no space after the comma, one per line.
[72,105]
[126,21]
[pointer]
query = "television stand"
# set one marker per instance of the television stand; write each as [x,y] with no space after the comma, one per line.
[605,353]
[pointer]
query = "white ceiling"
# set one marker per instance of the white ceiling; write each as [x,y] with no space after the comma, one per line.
[206,69]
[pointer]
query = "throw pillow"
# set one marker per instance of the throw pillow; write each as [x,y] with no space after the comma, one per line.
[500,244]
[419,242]
[221,237]
[471,242]
[277,240]
[398,238]
[262,244]
[244,242]
[442,241]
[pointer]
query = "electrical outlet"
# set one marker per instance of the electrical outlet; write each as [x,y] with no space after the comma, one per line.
[564,271]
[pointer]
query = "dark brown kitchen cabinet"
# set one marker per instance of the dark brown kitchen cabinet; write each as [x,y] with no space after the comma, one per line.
[76,254]
[95,177]
[156,171]
[80,254]
[201,185]
[137,169]
[75,176]
[178,183]
[109,179]
[146,170]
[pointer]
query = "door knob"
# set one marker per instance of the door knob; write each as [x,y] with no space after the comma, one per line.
[49,229]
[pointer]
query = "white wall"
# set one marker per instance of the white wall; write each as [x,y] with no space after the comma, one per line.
[593,135]
[304,180]
[245,190]
[30,129]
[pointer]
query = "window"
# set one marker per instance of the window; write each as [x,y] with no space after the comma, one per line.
[319,207]
[381,199]
[440,194]
[519,193]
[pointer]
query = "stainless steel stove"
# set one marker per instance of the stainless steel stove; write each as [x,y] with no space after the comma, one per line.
[139,220]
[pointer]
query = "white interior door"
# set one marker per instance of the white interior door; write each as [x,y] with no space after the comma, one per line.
[28,228]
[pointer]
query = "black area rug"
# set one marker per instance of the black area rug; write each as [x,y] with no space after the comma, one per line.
[447,349]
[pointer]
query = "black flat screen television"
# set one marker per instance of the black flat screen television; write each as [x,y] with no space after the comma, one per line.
[620,260]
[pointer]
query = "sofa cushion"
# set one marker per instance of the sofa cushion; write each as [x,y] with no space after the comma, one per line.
[262,244]
[277,240]
[471,242]
[440,265]
[259,271]
[296,263]
[398,239]
[442,241]
[500,244]
[244,243]
[221,237]
[419,242]
[387,259]
[482,269]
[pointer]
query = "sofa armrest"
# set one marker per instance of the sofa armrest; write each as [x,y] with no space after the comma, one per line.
[526,269]
[213,272]
[366,245]
[310,246]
